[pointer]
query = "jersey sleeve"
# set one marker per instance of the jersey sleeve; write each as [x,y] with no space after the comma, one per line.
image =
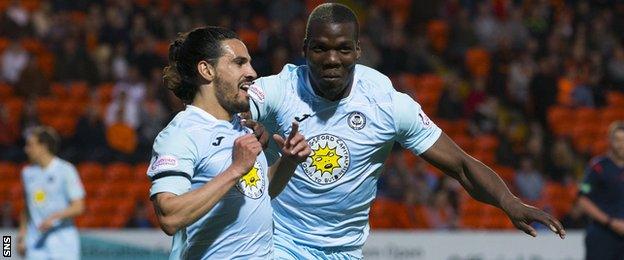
[414,130]
[267,93]
[172,164]
[592,179]
[73,186]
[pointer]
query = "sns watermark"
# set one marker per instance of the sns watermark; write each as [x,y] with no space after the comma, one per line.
[6,246]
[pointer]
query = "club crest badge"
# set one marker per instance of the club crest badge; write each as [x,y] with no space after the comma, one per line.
[356,120]
[252,183]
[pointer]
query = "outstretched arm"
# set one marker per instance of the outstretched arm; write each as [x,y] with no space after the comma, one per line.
[485,185]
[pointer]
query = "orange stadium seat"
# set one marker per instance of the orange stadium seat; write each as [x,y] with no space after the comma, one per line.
[58,90]
[464,142]
[599,146]
[162,48]
[611,113]
[9,171]
[45,60]
[419,214]
[560,197]
[4,42]
[250,38]
[388,214]
[6,91]
[140,171]
[118,171]
[485,143]
[585,114]
[105,92]
[557,114]
[122,138]
[615,99]
[47,106]
[79,91]
[91,172]
[31,5]
[477,60]
[438,32]
[508,174]
[564,96]
[32,45]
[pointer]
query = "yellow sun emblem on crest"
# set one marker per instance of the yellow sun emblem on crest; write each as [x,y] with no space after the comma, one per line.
[39,196]
[251,179]
[325,159]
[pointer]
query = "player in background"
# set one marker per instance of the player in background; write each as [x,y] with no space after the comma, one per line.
[210,178]
[352,116]
[54,195]
[602,199]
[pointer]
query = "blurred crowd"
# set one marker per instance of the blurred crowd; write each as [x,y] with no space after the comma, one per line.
[500,64]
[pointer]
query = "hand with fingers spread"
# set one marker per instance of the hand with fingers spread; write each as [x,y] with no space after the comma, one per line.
[246,149]
[295,148]
[259,131]
[522,215]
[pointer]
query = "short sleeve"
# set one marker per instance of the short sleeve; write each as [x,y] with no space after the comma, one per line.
[267,94]
[73,186]
[415,131]
[172,164]
[592,179]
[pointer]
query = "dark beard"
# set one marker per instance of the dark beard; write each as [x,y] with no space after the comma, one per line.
[229,101]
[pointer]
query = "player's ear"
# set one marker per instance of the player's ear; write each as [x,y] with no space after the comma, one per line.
[206,70]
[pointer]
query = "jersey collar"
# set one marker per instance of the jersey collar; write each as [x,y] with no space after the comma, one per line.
[210,118]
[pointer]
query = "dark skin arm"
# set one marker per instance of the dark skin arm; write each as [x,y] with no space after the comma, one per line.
[484,185]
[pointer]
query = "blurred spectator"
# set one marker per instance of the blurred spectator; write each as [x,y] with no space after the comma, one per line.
[451,104]
[32,82]
[30,117]
[528,180]
[442,211]
[6,212]
[73,63]
[562,159]
[543,89]
[19,18]
[14,60]
[520,74]
[8,138]
[420,183]
[128,95]
[284,11]
[153,118]
[123,110]
[140,217]
[90,138]
[42,20]
[615,68]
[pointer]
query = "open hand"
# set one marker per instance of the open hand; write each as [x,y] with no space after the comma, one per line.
[522,215]
[295,147]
